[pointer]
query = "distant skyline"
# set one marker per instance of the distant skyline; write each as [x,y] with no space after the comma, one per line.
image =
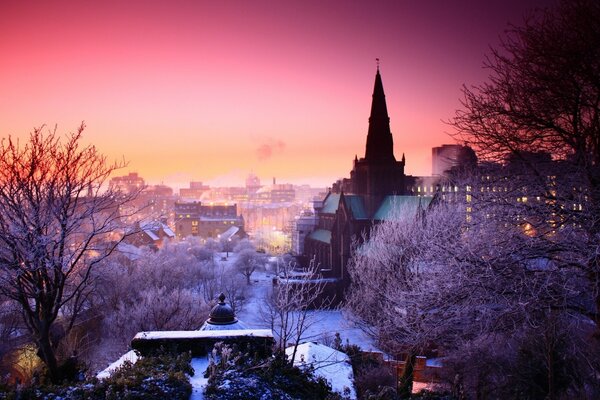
[209,91]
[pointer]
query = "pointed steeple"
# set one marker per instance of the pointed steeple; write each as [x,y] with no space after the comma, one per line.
[380,144]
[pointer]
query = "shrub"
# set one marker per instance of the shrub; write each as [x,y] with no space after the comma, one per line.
[163,375]
[236,376]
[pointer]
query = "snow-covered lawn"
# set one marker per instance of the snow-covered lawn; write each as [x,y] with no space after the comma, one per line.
[323,330]
[130,356]
[330,364]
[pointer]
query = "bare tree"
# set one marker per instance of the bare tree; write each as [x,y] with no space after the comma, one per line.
[539,117]
[291,307]
[57,221]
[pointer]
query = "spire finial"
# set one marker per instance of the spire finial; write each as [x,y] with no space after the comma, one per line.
[377,61]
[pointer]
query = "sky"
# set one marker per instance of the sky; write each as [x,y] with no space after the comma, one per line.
[213,90]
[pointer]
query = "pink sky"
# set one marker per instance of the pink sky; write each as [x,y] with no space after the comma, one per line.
[211,90]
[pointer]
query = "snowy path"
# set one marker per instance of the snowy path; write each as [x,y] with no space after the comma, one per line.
[198,381]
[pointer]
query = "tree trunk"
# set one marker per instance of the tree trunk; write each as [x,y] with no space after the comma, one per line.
[406,380]
[46,353]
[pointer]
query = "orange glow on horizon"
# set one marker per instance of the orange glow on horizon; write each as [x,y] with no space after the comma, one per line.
[209,91]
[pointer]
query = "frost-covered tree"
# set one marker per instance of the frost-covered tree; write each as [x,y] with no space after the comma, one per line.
[451,279]
[248,259]
[58,220]
[538,115]
[292,307]
[157,309]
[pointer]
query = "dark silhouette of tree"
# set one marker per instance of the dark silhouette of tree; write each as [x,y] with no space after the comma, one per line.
[58,219]
[539,115]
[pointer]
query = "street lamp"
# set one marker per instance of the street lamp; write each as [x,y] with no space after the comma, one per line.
[227,245]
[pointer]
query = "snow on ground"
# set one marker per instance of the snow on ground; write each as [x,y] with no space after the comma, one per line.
[130,356]
[328,363]
[326,322]
[198,381]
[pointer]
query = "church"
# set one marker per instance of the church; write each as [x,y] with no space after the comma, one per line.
[375,191]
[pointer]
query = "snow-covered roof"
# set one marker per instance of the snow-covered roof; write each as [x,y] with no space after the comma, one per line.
[154,335]
[151,234]
[153,229]
[329,363]
[130,251]
[168,231]
[130,356]
[229,232]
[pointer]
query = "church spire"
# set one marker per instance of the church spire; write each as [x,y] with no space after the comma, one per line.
[380,144]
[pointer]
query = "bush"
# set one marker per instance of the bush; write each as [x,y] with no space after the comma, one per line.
[157,377]
[236,376]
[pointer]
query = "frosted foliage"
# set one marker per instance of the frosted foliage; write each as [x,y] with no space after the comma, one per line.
[248,260]
[158,309]
[242,245]
[163,290]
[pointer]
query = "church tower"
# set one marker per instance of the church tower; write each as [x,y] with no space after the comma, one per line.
[380,144]
[378,174]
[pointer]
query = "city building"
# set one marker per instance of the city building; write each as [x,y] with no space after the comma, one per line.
[194,192]
[205,220]
[156,202]
[128,183]
[152,234]
[252,183]
[304,224]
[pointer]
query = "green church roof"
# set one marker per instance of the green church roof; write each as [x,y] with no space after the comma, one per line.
[356,205]
[394,207]
[331,204]
[322,235]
